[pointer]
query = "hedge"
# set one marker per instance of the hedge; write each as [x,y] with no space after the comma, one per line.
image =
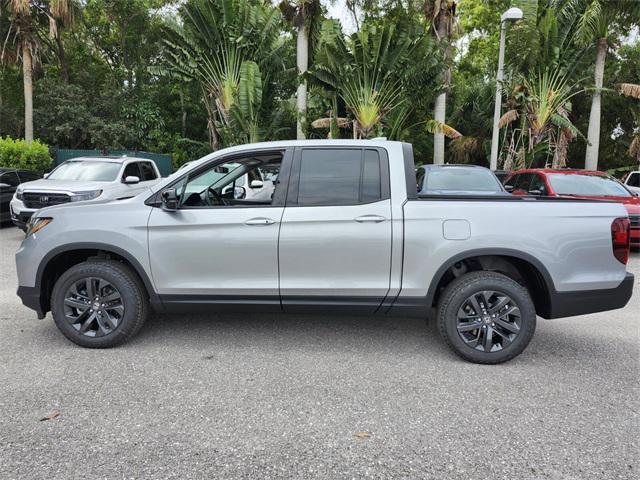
[20,154]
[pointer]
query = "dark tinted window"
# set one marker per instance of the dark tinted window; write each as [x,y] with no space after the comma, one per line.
[524,181]
[26,176]
[132,170]
[148,173]
[512,181]
[634,180]
[10,178]
[330,177]
[371,185]
[339,177]
[537,183]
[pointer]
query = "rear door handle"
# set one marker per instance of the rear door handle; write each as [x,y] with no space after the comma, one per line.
[260,221]
[370,218]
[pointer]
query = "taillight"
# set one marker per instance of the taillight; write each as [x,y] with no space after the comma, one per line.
[620,238]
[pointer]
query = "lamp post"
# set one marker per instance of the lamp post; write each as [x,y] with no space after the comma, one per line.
[512,15]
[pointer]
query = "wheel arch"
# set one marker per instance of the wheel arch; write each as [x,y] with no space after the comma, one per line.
[64,257]
[518,265]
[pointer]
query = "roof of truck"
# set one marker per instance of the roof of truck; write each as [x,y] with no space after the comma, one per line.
[108,158]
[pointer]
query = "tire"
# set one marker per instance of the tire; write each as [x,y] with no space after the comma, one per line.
[503,331]
[110,323]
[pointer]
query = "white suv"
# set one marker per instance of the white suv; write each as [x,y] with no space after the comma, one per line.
[82,179]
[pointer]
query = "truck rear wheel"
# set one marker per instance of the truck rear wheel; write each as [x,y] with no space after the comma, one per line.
[99,304]
[486,317]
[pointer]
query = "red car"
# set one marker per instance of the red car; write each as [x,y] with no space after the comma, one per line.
[577,184]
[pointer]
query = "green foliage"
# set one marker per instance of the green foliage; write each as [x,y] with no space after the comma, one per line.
[20,154]
[192,76]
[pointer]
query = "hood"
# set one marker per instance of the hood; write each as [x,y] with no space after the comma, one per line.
[633,209]
[44,184]
[612,198]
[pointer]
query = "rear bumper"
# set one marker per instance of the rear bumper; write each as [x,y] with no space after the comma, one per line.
[569,304]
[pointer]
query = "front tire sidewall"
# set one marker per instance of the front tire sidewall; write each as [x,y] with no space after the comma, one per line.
[465,286]
[120,278]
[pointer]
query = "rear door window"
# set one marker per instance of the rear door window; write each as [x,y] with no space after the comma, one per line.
[340,177]
[634,180]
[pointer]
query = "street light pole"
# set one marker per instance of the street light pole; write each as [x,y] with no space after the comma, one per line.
[511,15]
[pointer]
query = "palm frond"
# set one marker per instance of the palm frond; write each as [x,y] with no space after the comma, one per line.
[508,117]
[434,126]
[630,90]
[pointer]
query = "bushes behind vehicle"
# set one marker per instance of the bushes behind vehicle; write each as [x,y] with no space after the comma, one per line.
[20,154]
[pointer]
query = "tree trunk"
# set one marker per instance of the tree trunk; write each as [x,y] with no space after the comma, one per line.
[183,126]
[62,58]
[438,137]
[593,134]
[27,80]
[302,60]
[443,34]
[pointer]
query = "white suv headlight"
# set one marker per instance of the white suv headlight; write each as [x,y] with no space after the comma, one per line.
[81,196]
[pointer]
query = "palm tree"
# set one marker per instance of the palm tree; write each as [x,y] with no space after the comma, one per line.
[304,15]
[633,90]
[228,47]
[29,20]
[542,109]
[441,15]
[363,69]
[597,22]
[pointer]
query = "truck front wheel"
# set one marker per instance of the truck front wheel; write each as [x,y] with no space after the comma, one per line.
[99,303]
[486,317]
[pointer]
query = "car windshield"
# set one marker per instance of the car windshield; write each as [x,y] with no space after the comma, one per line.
[212,177]
[89,170]
[587,185]
[461,179]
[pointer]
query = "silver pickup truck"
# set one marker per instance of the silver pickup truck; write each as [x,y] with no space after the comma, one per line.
[345,230]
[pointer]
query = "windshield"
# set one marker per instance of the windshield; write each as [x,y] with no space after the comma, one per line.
[212,177]
[587,185]
[89,170]
[461,179]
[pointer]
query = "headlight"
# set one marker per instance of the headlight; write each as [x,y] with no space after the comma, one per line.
[37,224]
[81,196]
[19,193]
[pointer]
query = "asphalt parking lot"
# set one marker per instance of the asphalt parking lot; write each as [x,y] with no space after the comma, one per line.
[273,396]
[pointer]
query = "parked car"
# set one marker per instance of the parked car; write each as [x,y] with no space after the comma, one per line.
[84,179]
[345,231]
[578,184]
[10,178]
[632,181]
[457,180]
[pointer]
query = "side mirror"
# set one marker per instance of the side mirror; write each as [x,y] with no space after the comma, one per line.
[4,185]
[256,184]
[169,200]
[239,193]
[536,193]
[131,180]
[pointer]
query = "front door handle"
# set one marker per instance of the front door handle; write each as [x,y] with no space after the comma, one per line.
[260,221]
[370,218]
